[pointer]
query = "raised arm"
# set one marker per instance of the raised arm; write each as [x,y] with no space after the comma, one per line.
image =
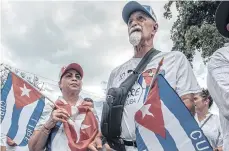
[39,138]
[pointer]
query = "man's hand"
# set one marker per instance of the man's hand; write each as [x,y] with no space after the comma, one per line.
[96,145]
[107,147]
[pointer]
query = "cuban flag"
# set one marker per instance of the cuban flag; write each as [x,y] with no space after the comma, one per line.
[81,129]
[164,123]
[21,108]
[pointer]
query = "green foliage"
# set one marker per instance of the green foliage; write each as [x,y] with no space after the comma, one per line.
[195,28]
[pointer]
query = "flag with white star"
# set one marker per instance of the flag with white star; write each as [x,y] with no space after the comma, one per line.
[21,108]
[164,123]
[81,128]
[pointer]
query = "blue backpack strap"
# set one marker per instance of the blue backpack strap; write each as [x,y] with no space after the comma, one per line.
[52,135]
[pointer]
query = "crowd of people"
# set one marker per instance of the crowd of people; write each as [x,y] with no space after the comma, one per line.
[142,26]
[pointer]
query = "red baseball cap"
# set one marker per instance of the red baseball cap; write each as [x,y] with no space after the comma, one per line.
[74,66]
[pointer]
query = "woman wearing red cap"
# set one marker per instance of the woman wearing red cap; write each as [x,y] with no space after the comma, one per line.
[70,124]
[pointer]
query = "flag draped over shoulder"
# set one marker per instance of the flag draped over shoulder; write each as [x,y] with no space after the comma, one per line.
[82,129]
[164,123]
[21,108]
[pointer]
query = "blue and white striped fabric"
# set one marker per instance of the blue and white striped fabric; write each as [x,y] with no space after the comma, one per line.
[21,108]
[165,124]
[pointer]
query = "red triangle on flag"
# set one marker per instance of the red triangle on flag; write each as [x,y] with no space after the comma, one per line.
[150,115]
[24,93]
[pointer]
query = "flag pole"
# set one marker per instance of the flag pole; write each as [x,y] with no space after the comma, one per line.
[55,106]
[30,85]
[155,75]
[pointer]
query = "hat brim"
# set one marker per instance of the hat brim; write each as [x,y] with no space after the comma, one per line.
[222,18]
[131,7]
[74,66]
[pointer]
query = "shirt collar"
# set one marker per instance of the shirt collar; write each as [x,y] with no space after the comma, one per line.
[207,115]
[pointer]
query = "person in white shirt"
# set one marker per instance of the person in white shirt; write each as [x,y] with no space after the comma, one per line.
[49,132]
[218,73]
[142,27]
[208,122]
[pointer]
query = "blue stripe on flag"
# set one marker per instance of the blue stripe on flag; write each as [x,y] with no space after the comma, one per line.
[168,143]
[14,122]
[140,141]
[173,102]
[33,121]
[140,80]
[4,93]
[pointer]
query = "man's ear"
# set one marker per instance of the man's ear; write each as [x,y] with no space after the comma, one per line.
[208,100]
[228,27]
[155,28]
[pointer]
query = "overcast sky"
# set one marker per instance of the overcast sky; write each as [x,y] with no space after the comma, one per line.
[41,37]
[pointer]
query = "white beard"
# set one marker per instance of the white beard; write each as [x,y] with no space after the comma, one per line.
[135,38]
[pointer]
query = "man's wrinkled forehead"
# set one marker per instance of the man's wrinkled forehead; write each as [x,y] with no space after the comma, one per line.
[139,13]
